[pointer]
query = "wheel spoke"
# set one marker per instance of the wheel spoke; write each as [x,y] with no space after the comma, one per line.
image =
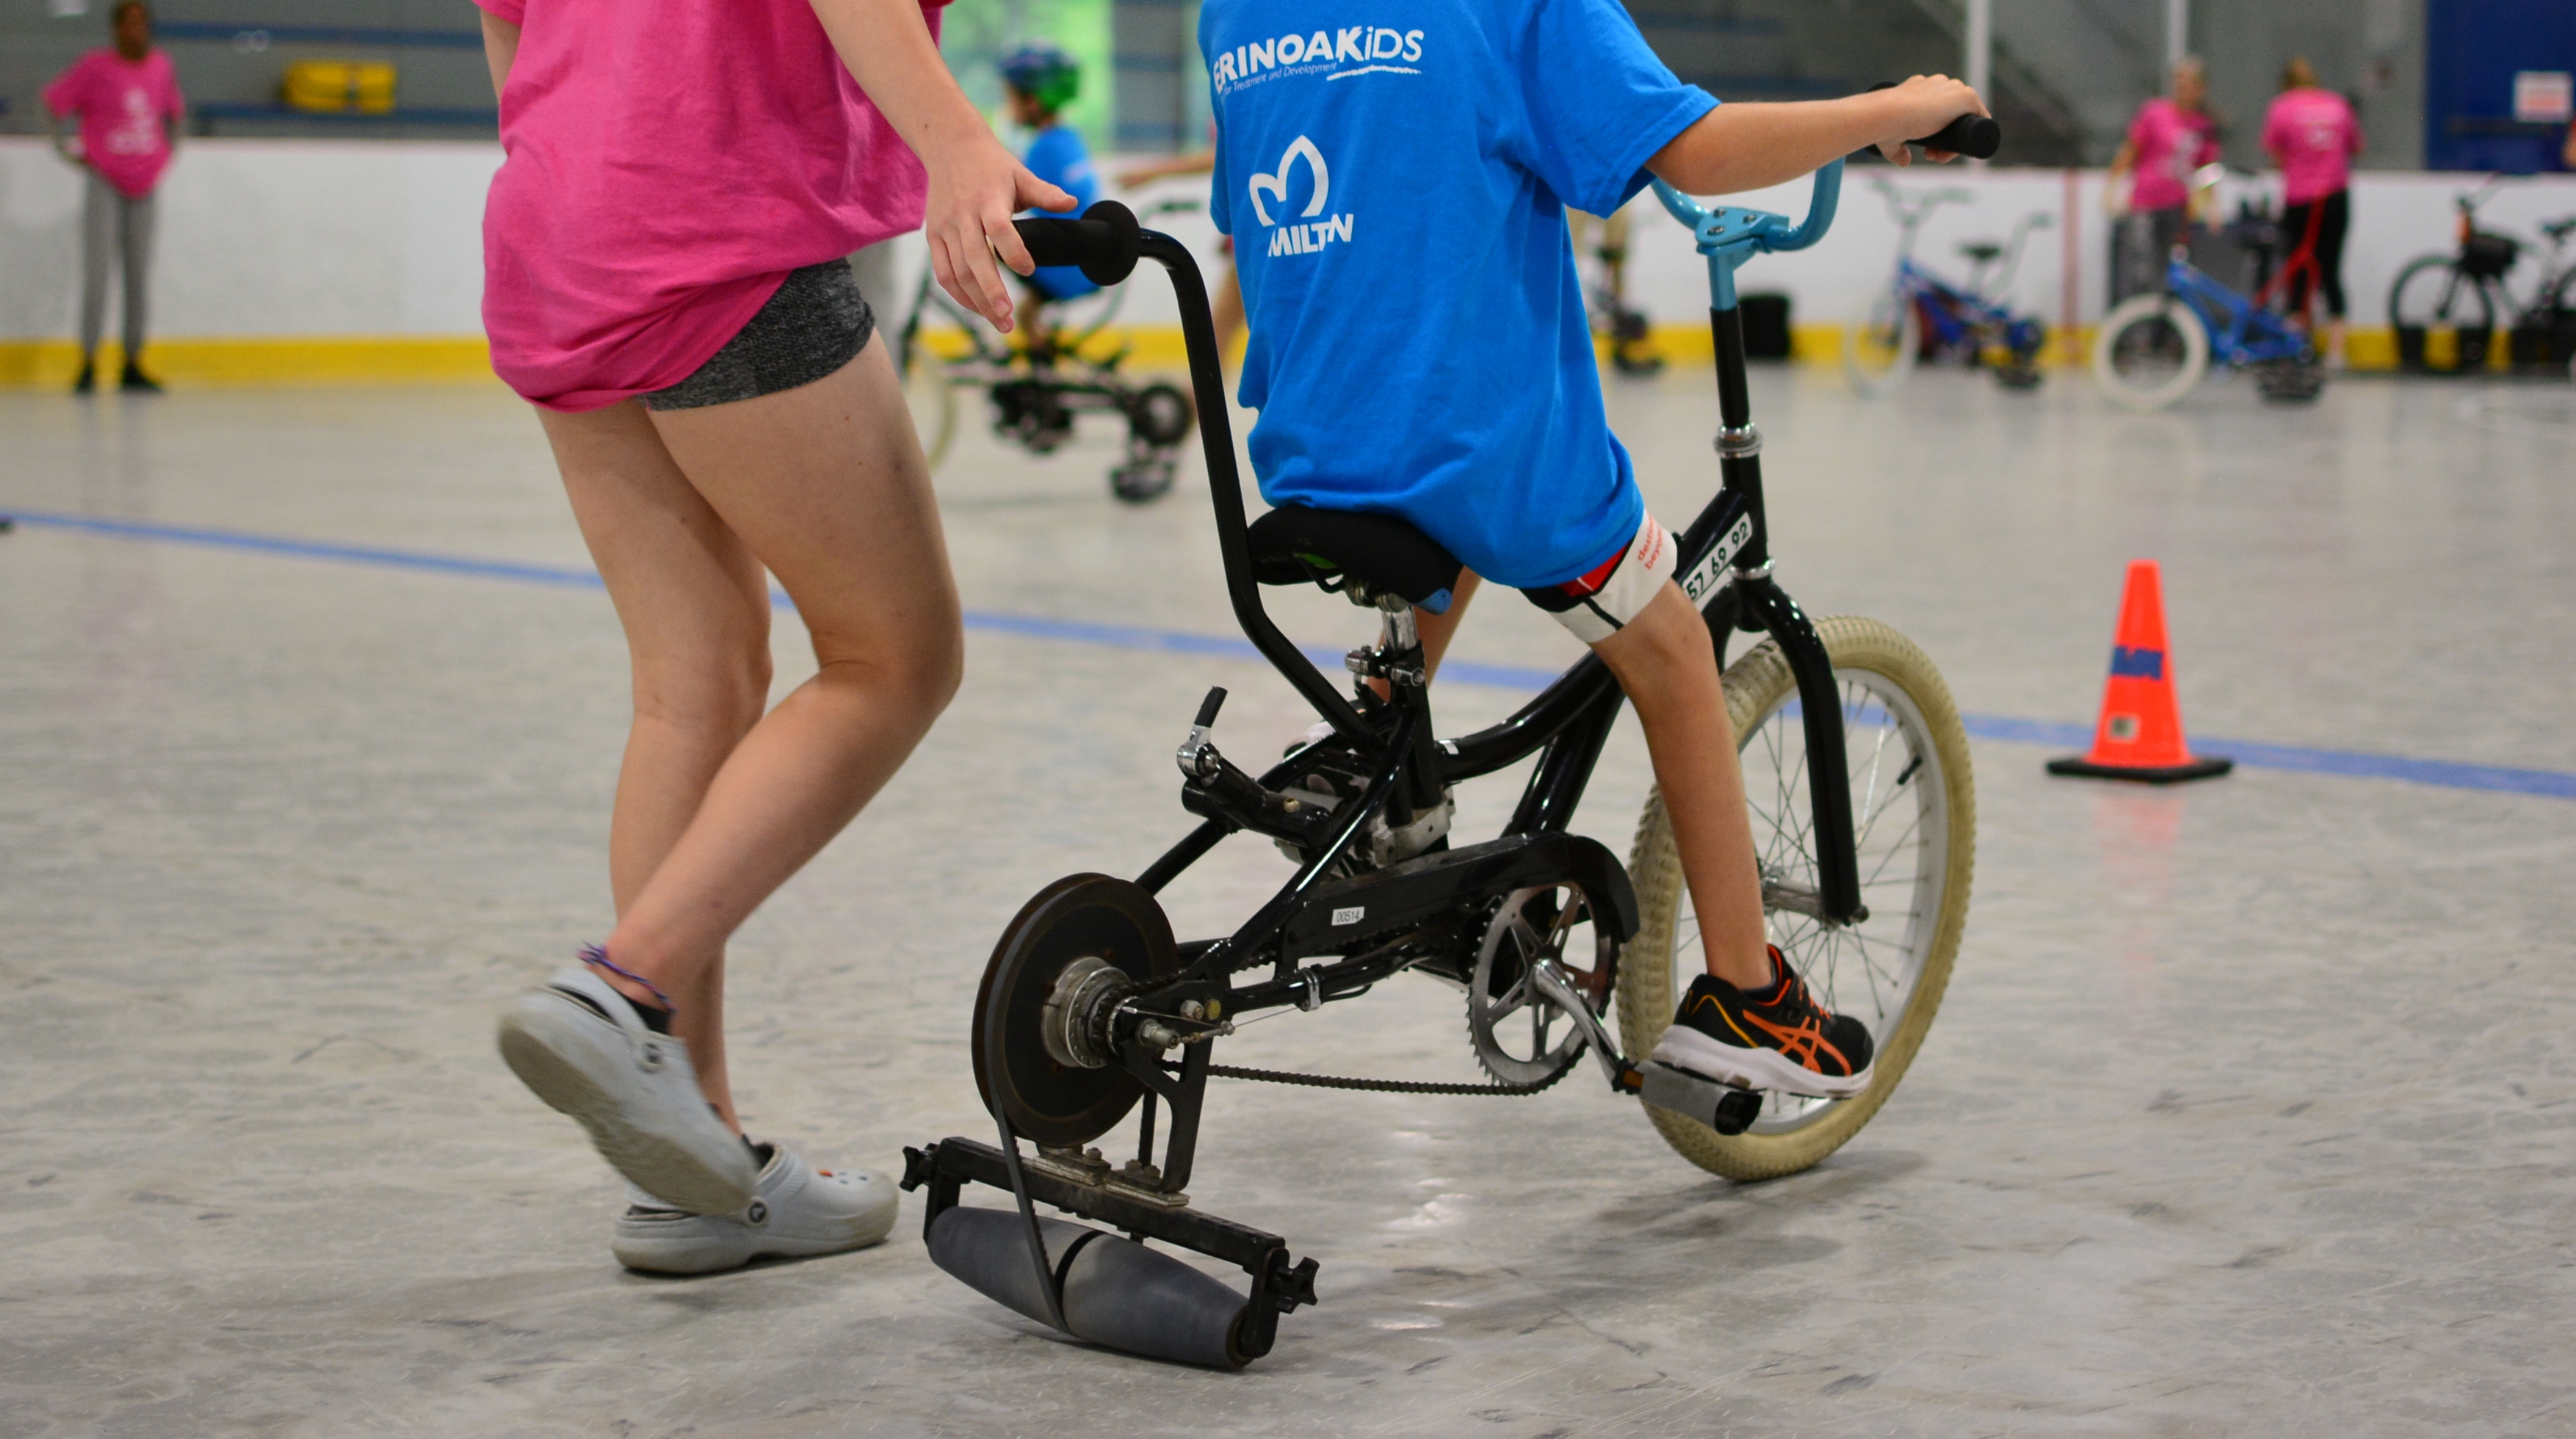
[1898,847]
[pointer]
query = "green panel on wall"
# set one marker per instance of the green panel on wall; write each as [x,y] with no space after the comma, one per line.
[977,33]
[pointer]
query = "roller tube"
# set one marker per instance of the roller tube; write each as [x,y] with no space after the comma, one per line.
[1114,1292]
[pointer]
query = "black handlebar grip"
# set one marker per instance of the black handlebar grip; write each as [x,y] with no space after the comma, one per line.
[1103,242]
[1976,136]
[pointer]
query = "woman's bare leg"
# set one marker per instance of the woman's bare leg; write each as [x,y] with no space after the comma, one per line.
[695,607]
[826,486]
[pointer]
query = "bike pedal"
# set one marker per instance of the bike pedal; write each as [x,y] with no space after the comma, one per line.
[1722,1107]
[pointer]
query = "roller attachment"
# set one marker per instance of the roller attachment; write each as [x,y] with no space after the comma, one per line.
[1116,1293]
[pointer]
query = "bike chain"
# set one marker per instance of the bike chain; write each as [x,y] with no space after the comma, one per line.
[1383,1086]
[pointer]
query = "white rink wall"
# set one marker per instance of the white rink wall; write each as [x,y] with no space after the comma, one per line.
[268,237]
[322,238]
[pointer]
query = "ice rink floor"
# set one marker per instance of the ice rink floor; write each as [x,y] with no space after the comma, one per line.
[2251,1107]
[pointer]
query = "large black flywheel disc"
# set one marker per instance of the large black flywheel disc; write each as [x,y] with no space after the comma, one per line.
[1079,916]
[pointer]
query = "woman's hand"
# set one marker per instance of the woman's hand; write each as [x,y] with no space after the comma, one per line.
[975,189]
[1921,106]
[975,185]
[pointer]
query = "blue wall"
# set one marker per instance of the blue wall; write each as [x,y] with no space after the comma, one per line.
[2472,49]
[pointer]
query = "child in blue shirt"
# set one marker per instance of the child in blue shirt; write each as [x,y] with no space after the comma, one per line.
[1395,182]
[1043,79]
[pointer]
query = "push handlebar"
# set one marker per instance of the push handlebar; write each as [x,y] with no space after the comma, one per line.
[1104,243]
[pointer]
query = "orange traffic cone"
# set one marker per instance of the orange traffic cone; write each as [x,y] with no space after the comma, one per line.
[2140,733]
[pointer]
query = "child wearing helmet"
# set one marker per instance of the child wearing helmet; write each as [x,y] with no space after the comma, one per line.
[1043,79]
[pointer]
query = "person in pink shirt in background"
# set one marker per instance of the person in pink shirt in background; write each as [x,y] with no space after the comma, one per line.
[666,279]
[2312,134]
[2170,138]
[126,99]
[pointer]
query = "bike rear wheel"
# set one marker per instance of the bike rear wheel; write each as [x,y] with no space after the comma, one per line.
[2150,352]
[1914,814]
[1880,349]
[2444,316]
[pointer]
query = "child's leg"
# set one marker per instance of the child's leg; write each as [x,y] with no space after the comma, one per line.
[1666,661]
[1752,1021]
[1225,311]
[825,485]
[695,607]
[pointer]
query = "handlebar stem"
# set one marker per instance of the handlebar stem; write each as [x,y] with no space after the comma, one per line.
[1728,236]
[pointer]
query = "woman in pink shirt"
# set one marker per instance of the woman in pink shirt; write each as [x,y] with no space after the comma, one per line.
[665,279]
[2169,140]
[2311,133]
[127,102]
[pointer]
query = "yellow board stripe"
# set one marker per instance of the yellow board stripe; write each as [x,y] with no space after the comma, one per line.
[193,361]
[264,360]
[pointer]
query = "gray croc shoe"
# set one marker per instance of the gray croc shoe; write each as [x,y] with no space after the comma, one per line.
[581,1046]
[795,1212]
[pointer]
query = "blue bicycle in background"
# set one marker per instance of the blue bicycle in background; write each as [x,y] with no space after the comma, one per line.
[1924,316]
[2154,348]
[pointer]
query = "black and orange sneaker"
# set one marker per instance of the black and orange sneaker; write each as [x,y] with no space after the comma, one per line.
[1776,1038]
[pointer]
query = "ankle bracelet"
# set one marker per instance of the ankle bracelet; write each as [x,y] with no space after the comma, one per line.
[598,955]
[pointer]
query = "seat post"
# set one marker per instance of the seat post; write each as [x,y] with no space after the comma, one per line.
[1400,657]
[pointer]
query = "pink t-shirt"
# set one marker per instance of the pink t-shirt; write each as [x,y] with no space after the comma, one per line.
[2172,142]
[667,165]
[121,104]
[2313,134]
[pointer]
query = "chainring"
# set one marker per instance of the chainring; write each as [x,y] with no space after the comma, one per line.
[1529,926]
[1079,916]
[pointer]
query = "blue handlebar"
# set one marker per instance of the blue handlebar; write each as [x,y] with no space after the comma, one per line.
[1729,236]
[1758,229]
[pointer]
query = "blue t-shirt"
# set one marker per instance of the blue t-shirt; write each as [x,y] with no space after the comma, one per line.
[1057,157]
[1395,179]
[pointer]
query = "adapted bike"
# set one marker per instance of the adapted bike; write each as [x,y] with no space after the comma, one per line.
[1090,1010]
[1922,312]
[1038,384]
[2153,349]
[2445,307]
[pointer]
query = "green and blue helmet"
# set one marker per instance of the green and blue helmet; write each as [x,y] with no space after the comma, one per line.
[1043,72]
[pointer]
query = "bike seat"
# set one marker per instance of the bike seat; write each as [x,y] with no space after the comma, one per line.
[1295,545]
[1981,251]
[2557,229]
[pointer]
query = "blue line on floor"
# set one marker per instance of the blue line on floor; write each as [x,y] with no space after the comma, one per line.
[312,550]
[2444,774]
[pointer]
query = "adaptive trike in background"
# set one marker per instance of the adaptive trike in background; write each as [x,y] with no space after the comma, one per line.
[1863,810]
[1039,385]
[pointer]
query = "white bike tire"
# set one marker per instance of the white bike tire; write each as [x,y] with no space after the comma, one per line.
[2138,309]
[1909,345]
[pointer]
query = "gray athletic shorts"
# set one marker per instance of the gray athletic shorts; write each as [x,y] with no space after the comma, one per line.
[816,323]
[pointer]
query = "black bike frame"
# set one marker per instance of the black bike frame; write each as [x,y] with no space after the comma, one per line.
[1567,723]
